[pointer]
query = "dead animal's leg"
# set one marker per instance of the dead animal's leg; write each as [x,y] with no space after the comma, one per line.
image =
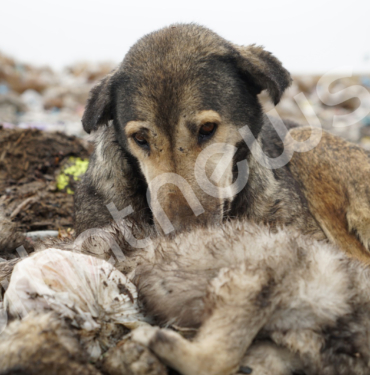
[265,358]
[237,306]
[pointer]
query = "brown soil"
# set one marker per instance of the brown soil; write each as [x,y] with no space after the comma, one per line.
[29,162]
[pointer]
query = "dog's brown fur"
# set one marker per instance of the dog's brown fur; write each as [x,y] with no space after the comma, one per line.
[334,176]
[171,83]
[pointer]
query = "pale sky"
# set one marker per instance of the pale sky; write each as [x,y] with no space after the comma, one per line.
[307,36]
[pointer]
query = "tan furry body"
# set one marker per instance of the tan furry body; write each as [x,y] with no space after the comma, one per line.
[243,283]
[42,345]
[258,299]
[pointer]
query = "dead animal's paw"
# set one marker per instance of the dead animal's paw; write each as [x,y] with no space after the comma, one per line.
[144,334]
[131,358]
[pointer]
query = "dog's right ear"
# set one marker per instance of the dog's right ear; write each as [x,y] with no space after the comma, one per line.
[98,110]
[264,71]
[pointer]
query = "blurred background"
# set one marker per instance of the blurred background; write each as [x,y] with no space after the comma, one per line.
[309,37]
[53,52]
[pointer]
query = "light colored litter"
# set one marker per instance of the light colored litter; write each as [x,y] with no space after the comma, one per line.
[97,298]
[302,103]
[74,168]
[38,97]
[42,234]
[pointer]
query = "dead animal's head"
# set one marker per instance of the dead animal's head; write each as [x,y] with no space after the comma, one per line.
[177,103]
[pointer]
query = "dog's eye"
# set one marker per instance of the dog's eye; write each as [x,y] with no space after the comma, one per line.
[140,140]
[207,130]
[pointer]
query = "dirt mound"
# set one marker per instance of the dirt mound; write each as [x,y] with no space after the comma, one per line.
[29,163]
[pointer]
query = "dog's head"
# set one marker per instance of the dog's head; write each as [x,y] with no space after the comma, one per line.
[177,102]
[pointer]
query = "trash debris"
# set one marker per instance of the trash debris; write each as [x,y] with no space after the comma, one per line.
[10,237]
[45,99]
[74,168]
[41,98]
[308,108]
[42,233]
[99,300]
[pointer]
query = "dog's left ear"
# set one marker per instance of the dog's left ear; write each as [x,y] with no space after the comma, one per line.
[264,71]
[98,109]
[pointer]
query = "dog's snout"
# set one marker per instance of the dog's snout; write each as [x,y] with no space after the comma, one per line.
[183,211]
[176,207]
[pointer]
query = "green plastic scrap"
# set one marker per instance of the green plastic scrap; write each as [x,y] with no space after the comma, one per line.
[75,168]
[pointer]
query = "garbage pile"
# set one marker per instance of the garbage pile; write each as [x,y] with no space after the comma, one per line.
[38,97]
[82,288]
[77,312]
[339,105]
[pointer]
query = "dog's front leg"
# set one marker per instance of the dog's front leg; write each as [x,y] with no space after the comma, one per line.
[238,305]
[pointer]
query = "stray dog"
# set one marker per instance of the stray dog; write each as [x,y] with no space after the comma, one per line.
[184,90]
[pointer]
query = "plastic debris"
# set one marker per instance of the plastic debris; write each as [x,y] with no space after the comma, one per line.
[302,104]
[59,98]
[98,299]
[42,234]
[53,101]
[74,169]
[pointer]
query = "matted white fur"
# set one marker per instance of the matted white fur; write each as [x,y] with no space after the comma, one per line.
[89,291]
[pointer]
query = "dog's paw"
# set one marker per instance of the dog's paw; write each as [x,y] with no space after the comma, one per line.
[144,334]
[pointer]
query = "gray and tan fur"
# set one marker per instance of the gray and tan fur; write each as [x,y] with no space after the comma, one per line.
[258,299]
[45,344]
[274,302]
[171,84]
[42,344]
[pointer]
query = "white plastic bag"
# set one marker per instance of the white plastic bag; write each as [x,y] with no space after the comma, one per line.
[89,291]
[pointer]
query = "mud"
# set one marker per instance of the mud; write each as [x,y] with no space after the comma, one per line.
[30,160]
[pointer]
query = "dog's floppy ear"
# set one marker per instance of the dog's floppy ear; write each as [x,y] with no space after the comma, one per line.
[264,70]
[98,109]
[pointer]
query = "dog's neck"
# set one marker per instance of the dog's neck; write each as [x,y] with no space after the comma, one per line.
[272,196]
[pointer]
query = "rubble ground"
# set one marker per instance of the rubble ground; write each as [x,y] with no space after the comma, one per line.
[30,162]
